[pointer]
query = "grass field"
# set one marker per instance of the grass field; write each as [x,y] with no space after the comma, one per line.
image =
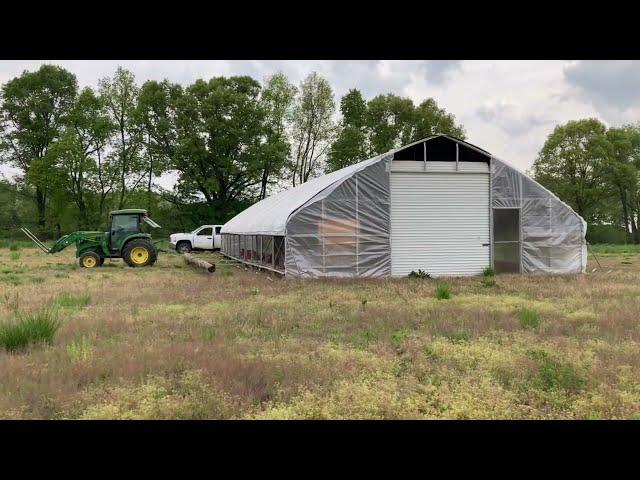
[171,342]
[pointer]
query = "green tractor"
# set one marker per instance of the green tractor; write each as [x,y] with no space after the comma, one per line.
[124,239]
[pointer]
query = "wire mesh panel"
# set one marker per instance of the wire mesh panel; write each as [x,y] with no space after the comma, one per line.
[279,253]
[266,253]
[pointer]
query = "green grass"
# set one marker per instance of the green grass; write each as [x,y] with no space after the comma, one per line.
[37,327]
[443,291]
[14,247]
[609,249]
[259,346]
[14,256]
[488,282]
[419,274]
[553,375]
[80,349]
[529,318]
[488,272]
[68,300]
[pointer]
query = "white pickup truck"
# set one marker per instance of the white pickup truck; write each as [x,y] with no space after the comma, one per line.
[205,237]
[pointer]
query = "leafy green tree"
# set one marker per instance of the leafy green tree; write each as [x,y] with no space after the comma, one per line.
[77,156]
[120,96]
[354,109]
[313,126]
[156,113]
[34,107]
[277,101]
[385,122]
[571,164]
[389,122]
[429,120]
[349,147]
[351,143]
[621,171]
[220,142]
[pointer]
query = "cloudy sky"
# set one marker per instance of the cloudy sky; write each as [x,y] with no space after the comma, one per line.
[506,107]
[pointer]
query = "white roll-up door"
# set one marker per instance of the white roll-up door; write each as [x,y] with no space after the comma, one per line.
[440,221]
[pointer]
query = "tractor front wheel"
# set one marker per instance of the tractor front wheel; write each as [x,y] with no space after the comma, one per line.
[139,253]
[89,260]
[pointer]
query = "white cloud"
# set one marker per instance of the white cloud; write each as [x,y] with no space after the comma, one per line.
[611,86]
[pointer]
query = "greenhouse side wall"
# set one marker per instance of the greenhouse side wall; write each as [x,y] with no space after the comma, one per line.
[552,235]
[265,251]
[344,230]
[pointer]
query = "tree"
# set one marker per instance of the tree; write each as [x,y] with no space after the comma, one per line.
[351,144]
[429,120]
[35,106]
[571,165]
[385,122]
[156,113]
[313,126]
[220,141]
[353,109]
[389,122]
[277,101]
[120,95]
[621,171]
[78,154]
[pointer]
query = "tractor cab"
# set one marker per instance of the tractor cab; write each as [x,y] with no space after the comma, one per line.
[127,223]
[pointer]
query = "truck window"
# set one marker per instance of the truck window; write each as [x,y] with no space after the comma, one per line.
[218,230]
[205,231]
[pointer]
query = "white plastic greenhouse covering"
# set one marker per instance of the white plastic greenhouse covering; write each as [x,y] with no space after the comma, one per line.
[552,235]
[338,225]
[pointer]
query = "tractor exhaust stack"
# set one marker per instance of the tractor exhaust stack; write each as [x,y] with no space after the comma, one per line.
[36,240]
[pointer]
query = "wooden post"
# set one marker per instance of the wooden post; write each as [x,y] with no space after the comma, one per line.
[192,260]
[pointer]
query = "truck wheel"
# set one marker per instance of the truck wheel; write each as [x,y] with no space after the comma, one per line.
[183,247]
[139,253]
[89,260]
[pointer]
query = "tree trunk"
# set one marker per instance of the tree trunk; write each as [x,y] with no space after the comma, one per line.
[263,188]
[40,201]
[123,172]
[625,215]
[150,178]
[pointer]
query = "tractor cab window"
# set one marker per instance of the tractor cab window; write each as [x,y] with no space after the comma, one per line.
[121,227]
[125,223]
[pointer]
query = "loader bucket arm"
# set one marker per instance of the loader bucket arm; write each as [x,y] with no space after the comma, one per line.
[64,241]
[60,244]
[36,240]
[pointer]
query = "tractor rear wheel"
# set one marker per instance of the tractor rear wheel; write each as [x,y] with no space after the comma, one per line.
[89,260]
[139,253]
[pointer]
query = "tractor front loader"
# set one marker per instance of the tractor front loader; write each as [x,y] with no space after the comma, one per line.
[124,239]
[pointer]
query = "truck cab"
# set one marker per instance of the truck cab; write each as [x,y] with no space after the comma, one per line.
[205,237]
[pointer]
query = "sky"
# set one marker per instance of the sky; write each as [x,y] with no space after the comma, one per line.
[507,107]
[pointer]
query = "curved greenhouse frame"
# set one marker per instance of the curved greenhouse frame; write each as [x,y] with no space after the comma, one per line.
[454,207]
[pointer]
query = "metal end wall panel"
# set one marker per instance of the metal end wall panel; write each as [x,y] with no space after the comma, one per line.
[439,223]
